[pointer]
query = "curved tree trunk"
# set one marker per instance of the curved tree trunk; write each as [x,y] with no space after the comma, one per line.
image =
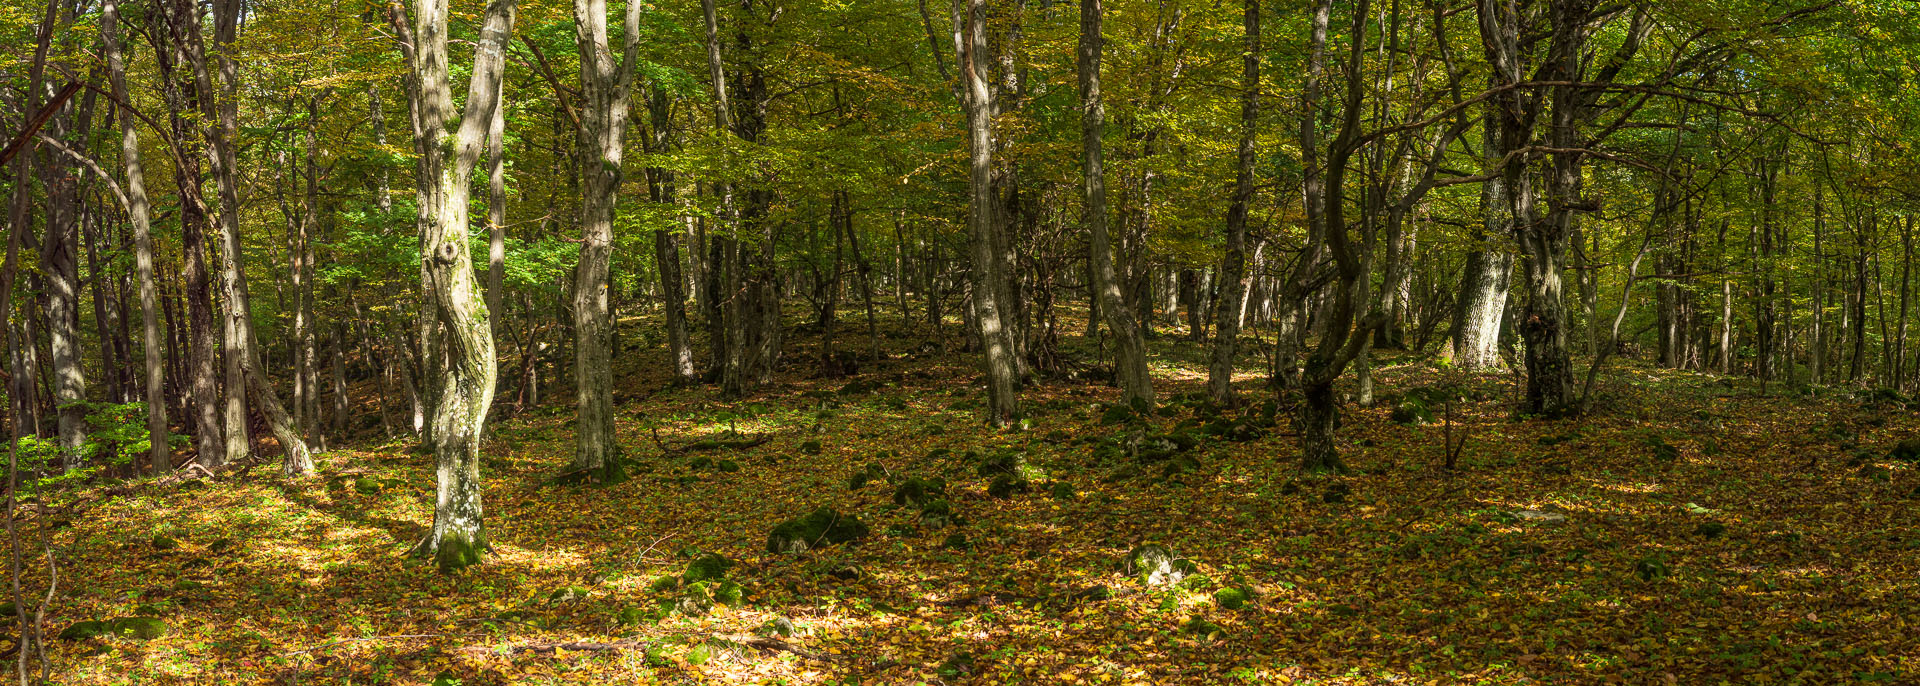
[462,375]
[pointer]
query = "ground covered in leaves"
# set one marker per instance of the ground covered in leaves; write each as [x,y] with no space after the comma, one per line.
[1690,531]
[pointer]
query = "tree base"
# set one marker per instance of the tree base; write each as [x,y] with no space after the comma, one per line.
[454,550]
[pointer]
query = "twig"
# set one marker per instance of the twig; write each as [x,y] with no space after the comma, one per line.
[365,639]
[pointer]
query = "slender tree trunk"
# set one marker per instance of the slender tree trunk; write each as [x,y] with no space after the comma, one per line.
[139,211]
[1233,272]
[605,85]
[1001,366]
[666,248]
[1108,302]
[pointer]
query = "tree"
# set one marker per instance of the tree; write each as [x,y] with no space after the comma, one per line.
[1130,349]
[989,270]
[1233,268]
[604,89]
[454,313]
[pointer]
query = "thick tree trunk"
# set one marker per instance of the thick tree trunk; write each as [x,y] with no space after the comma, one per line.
[605,85]
[464,374]
[1482,298]
[1108,302]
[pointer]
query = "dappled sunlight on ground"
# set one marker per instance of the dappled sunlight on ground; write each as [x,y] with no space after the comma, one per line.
[1698,545]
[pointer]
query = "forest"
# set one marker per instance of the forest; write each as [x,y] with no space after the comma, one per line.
[1474,342]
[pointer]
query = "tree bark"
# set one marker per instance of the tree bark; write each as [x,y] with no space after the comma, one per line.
[139,210]
[455,311]
[605,86]
[1233,268]
[1108,302]
[1001,365]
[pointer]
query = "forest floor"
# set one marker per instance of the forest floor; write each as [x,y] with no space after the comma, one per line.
[1691,530]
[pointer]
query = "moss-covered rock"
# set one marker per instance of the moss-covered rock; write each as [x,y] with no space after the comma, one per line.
[918,491]
[1154,565]
[823,526]
[1007,485]
[1710,529]
[708,567]
[1201,628]
[1231,598]
[810,447]
[85,629]
[164,543]
[957,541]
[140,628]
[568,594]
[1412,412]
[1061,490]
[937,514]
[871,473]
[1905,451]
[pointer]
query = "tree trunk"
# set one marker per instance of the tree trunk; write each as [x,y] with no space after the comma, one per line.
[1108,302]
[454,310]
[1001,367]
[666,248]
[1233,270]
[139,211]
[605,85]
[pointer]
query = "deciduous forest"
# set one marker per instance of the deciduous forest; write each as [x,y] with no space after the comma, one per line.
[961,342]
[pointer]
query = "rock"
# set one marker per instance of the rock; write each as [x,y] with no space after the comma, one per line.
[707,567]
[866,475]
[631,616]
[1412,413]
[1905,451]
[83,630]
[810,447]
[1202,628]
[1154,565]
[937,514]
[220,545]
[665,583]
[164,543]
[1061,490]
[728,466]
[141,628]
[1006,485]
[821,527]
[778,627]
[1710,529]
[957,541]
[1230,598]
[1336,492]
[568,594]
[919,491]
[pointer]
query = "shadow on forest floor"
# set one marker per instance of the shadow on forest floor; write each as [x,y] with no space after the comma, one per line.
[1686,533]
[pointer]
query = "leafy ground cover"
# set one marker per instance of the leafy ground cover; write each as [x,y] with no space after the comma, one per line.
[1690,531]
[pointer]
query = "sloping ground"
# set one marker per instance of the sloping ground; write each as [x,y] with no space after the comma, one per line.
[1690,533]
